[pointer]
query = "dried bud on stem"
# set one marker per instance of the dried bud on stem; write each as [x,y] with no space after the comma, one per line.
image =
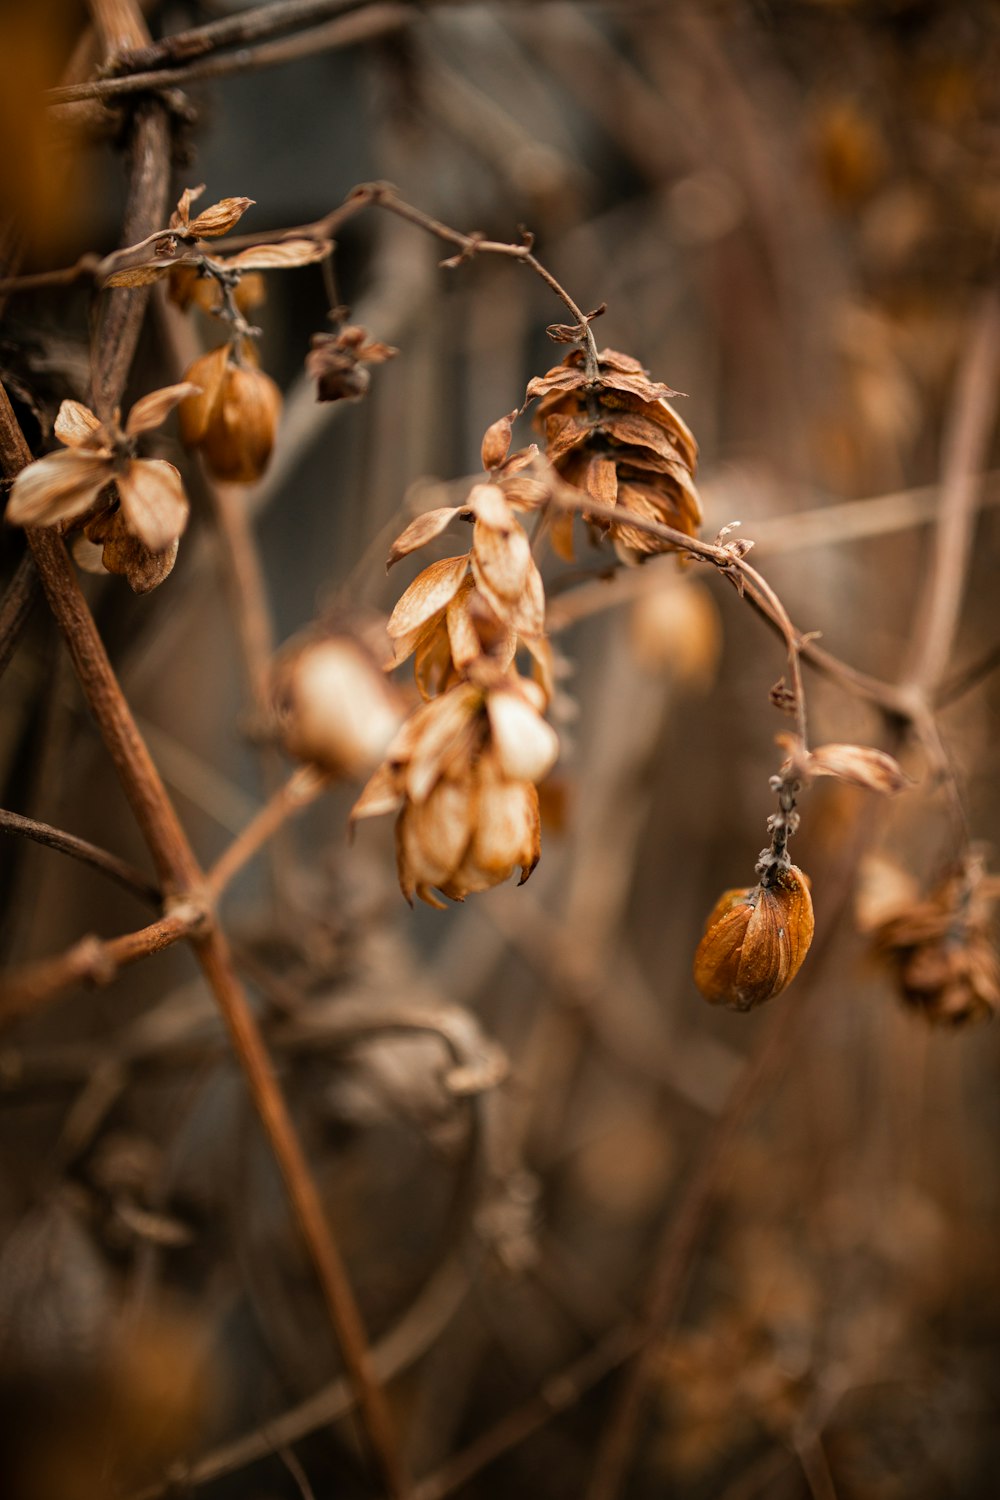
[620,442]
[233,419]
[940,950]
[338,363]
[755,941]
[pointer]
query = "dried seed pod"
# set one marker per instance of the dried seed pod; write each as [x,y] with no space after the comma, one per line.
[233,419]
[941,951]
[339,710]
[755,940]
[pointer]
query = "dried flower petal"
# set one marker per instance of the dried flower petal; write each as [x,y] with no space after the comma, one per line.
[220,218]
[153,410]
[526,746]
[859,765]
[76,426]
[153,502]
[57,488]
[423,530]
[496,441]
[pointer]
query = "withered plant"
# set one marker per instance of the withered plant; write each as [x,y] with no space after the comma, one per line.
[338,1195]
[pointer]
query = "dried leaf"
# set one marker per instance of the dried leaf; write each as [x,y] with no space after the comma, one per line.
[859,765]
[496,441]
[283,255]
[429,592]
[423,530]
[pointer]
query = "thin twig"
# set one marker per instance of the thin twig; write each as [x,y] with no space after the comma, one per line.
[302,787]
[348,31]
[116,869]
[250,25]
[181,874]
[966,446]
[91,961]
[22,591]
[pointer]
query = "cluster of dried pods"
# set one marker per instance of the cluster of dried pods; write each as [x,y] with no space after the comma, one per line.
[462,768]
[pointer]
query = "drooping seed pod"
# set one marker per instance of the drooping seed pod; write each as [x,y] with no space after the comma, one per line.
[337,707]
[234,418]
[755,940]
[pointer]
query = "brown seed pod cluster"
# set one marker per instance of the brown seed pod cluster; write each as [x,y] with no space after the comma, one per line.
[461,773]
[940,949]
[619,441]
[755,941]
[132,510]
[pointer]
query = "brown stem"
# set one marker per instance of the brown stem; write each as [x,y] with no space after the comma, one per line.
[302,787]
[89,854]
[21,594]
[181,875]
[891,699]
[236,30]
[348,31]
[966,446]
[91,961]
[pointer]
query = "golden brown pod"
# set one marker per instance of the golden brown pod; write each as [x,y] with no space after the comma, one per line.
[234,419]
[755,941]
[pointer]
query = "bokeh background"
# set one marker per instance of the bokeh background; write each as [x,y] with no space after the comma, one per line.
[790,209]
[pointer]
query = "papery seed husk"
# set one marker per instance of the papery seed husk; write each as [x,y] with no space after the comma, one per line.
[343,713]
[502,559]
[496,441]
[128,556]
[525,747]
[859,765]
[755,941]
[505,834]
[428,595]
[207,373]
[240,435]
[441,733]
[153,502]
[382,794]
[57,488]
[153,410]
[423,530]
[76,425]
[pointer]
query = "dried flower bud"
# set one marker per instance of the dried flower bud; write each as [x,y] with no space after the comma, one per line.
[755,941]
[233,419]
[339,710]
[337,362]
[940,949]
